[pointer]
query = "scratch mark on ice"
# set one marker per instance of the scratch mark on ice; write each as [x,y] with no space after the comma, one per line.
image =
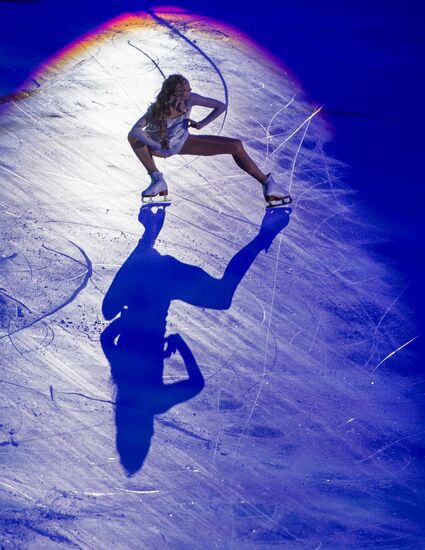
[394,352]
[390,445]
[97,494]
[296,334]
[75,293]
[146,492]
[388,309]
[296,155]
[17,490]
[306,121]
[149,57]
[314,339]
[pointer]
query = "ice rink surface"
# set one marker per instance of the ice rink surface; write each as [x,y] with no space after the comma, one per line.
[208,374]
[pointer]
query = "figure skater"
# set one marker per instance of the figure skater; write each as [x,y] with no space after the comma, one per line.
[163,131]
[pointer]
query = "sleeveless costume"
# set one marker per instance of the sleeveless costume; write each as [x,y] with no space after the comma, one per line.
[177,131]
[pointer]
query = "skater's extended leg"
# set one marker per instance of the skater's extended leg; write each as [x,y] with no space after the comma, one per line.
[220,145]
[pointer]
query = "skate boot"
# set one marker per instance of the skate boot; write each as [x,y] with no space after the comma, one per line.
[273,195]
[158,186]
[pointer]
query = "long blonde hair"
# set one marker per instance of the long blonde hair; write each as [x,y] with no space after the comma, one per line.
[159,110]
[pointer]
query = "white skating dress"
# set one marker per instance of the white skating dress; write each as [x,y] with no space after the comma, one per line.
[177,131]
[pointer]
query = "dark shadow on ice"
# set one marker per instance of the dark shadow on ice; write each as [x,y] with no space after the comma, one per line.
[135,342]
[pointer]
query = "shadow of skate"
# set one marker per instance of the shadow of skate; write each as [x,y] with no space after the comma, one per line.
[135,343]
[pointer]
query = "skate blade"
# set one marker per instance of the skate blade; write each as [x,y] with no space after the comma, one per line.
[280,203]
[156,199]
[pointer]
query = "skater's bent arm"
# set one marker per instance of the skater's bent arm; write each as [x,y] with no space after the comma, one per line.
[178,392]
[218,107]
[137,133]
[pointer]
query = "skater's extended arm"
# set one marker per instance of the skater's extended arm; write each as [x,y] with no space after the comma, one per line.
[137,133]
[218,108]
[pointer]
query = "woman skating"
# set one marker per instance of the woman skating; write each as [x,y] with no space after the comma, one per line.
[163,131]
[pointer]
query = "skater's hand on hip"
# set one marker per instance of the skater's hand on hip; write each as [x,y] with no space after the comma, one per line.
[156,147]
[164,153]
[194,124]
[163,149]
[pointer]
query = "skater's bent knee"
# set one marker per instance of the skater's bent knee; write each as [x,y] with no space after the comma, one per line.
[238,145]
[133,139]
[137,144]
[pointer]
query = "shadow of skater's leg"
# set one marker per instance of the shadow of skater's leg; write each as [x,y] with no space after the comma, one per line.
[195,286]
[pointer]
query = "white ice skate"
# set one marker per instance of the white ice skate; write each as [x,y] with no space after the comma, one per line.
[158,186]
[273,195]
